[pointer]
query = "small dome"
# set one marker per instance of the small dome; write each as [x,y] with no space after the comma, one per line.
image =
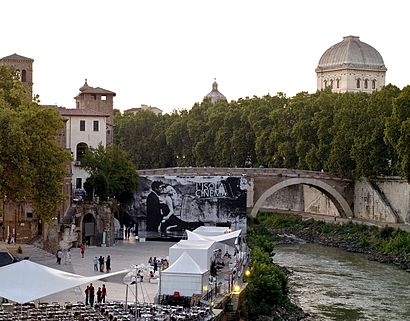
[85,86]
[351,53]
[215,95]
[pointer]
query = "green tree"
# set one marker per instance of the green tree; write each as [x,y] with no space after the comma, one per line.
[112,174]
[397,133]
[32,164]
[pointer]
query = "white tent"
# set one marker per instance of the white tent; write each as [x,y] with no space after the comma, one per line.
[184,276]
[26,281]
[225,238]
[201,251]
[211,230]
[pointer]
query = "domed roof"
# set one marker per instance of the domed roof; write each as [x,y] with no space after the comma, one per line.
[215,95]
[85,87]
[351,53]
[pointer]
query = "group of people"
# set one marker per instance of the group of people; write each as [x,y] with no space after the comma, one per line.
[98,263]
[90,294]
[157,262]
[66,254]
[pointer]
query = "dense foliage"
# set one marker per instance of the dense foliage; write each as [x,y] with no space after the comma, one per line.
[32,163]
[266,293]
[112,174]
[348,134]
[386,240]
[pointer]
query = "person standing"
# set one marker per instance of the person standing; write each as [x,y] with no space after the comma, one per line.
[108,264]
[82,249]
[95,263]
[87,294]
[103,293]
[91,294]
[99,294]
[101,261]
[155,265]
[59,256]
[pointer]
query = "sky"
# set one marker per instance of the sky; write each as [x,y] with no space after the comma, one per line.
[167,53]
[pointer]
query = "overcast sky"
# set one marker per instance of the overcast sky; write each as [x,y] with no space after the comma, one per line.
[166,53]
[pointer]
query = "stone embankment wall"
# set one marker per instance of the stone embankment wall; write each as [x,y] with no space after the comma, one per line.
[386,200]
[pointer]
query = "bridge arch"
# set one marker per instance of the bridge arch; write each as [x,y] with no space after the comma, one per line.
[337,199]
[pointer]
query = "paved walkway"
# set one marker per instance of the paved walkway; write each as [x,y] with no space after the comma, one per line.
[124,254]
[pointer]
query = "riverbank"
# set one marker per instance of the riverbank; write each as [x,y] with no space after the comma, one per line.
[384,245]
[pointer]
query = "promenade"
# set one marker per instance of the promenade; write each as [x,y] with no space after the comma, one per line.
[124,254]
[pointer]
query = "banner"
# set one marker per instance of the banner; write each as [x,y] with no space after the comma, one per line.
[166,206]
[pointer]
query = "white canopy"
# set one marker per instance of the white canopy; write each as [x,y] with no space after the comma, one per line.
[225,238]
[185,264]
[26,281]
[211,230]
[184,276]
[200,250]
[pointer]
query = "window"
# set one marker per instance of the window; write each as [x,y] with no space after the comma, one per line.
[95,125]
[337,83]
[103,97]
[94,96]
[29,215]
[331,83]
[23,75]
[358,83]
[82,125]
[373,84]
[81,149]
[325,83]
[78,182]
[366,84]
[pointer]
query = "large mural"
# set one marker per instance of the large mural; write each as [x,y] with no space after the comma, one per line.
[166,206]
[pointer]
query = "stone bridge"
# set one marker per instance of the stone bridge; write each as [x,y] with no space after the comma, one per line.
[285,186]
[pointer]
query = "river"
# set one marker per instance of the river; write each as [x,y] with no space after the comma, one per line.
[331,284]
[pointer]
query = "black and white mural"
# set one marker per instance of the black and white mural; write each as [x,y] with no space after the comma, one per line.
[166,206]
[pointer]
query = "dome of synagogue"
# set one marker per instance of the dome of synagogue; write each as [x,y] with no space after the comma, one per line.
[351,53]
[215,95]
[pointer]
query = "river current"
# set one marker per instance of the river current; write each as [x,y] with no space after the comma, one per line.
[331,284]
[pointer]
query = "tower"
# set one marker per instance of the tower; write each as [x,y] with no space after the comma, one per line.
[24,66]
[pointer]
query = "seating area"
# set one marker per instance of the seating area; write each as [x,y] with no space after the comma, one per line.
[111,311]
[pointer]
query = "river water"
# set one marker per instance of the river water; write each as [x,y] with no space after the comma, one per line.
[331,284]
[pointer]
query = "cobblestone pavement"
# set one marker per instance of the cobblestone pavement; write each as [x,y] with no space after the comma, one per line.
[124,254]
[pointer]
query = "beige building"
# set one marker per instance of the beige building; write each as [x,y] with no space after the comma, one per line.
[100,100]
[351,66]
[84,128]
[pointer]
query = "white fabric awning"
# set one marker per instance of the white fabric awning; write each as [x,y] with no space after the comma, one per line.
[26,281]
[226,238]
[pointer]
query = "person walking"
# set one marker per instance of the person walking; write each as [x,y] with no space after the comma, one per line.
[91,294]
[82,249]
[95,263]
[87,294]
[108,264]
[103,293]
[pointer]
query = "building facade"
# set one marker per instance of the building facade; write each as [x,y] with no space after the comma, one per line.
[24,66]
[84,128]
[351,66]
